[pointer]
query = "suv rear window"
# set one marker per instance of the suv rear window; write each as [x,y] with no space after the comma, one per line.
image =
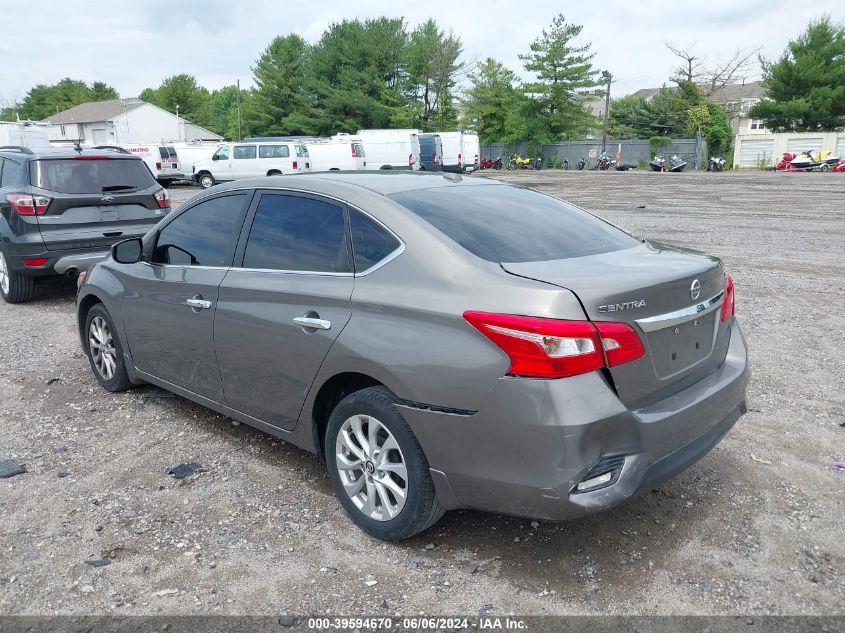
[72,175]
[501,223]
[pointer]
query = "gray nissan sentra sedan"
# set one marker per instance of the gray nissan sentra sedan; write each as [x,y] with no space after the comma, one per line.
[444,342]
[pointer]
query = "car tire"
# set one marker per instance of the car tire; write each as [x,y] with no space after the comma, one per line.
[206,180]
[104,350]
[368,493]
[14,287]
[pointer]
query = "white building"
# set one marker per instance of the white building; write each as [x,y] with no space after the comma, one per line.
[120,121]
[755,150]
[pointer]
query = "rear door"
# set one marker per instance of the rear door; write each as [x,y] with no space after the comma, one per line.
[283,304]
[170,300]
[94,200]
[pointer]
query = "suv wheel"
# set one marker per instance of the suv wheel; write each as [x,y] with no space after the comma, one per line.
[206,180]
[377,467]
[104,351]
[14,287]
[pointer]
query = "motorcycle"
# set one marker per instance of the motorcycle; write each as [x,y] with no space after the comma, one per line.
[625,167]
[807,161]
[491,163]
[839,167]
[604,162]
[538,163]
[581,164]
[566,164]
[717,163]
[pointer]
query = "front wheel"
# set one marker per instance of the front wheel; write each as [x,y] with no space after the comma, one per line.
[104,351]
[206,180]
[378,469]
[14,287]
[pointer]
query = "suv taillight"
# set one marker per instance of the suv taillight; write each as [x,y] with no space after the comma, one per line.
[553,348]
[24,204]
[162,197]
[729,301]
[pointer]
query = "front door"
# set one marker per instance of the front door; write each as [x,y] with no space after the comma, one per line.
[170,300]
[283,304]
[222,161]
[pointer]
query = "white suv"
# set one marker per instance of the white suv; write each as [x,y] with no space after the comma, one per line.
[234,161]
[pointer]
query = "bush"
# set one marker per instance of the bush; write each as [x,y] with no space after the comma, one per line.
[555,162]
[658,143]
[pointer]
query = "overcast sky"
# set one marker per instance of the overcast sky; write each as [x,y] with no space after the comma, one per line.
[133,44]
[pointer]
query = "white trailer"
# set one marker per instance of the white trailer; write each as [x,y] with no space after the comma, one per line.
[341,152]
[391,149]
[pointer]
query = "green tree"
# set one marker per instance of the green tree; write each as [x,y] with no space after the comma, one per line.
[180,91]
[630,117]
[805,87]
[45,100]
[433,67]
[491,97]
[280,103]
[222,112]
[564,77]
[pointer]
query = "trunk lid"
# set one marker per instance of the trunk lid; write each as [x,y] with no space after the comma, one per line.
[649,287]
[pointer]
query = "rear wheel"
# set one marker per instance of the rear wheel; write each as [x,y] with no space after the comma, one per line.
[14,287]
[104,351]
[206,180]
[377,467]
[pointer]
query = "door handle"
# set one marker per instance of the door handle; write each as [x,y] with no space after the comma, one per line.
[310,322]
[198,304]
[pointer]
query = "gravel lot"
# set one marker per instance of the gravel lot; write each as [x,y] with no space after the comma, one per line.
[755,527]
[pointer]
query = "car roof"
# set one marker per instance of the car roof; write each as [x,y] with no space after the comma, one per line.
[384,182]
[61,152]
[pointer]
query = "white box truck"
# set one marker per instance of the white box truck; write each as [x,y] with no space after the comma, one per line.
[391,149]
[24,134]
[341,152]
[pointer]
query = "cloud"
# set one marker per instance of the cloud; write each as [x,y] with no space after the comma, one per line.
[139,44]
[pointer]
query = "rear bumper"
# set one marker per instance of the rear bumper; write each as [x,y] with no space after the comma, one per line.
[57,262]
[533,441]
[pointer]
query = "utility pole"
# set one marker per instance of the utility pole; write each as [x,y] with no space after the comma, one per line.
[239,110]
[606,74]
[177,122]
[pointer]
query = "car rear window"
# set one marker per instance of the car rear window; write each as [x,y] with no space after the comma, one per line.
[72,175]
[501,223]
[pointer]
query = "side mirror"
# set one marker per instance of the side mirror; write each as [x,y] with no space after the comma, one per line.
[128,251]
[215,157]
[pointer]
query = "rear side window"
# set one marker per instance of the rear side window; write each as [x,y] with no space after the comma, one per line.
[244,151]
[8,172]
[171,152]
[297,234]
[72,175]
[371,242]
[358,150]
[273,151]
[203,235]
[302,151]
[162,151]
[501,223]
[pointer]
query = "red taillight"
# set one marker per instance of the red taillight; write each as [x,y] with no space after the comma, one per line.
[729,301]
[295,165]
[29,205]
[35,262]
[553,348]
[620,343]
[354,153]
[158,165]
[410,160]
[460,160]
[162,197]
[434,160]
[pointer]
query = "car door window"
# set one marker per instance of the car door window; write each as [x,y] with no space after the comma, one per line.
[371,242]
[204,235]
[273,151]
[8,172]
[295,233]
[244,152]
[222,153]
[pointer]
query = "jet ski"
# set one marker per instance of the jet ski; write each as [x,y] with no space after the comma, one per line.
[676,163]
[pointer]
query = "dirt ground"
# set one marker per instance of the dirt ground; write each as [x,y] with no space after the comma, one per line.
[756,527]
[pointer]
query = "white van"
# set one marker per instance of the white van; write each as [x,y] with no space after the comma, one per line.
[391,149]
[471,152]
[453,151]
[234,161]
[191,152]
[24,134]
[163,160]
[340,152]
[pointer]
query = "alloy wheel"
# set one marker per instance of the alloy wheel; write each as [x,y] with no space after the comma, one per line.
[371,467]
[101,344]
[4,274]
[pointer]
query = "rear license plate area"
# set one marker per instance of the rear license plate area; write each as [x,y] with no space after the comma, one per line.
[108,212]
[679,347]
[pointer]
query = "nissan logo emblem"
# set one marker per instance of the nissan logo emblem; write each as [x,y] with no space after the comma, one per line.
[695,289]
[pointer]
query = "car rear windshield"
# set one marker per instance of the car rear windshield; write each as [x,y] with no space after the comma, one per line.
[501,223]
[72,175]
